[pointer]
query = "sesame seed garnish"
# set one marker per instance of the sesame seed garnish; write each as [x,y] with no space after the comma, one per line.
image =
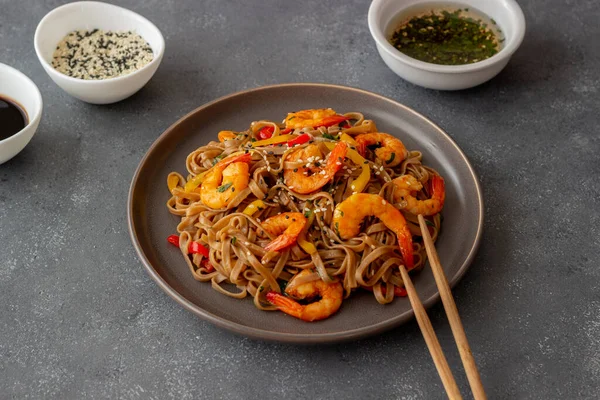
[97,54]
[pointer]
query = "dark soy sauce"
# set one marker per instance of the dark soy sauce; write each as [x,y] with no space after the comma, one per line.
[13,117]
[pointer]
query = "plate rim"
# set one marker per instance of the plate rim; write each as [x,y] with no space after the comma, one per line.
[297,338]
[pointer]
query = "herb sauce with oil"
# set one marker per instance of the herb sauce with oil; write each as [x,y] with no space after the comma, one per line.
[455,37]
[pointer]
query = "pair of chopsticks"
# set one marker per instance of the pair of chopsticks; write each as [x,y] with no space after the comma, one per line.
[455,324]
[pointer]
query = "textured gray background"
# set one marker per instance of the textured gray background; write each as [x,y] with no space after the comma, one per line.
[79,316]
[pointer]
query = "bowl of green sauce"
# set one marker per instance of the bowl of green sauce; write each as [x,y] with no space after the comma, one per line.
[446,45]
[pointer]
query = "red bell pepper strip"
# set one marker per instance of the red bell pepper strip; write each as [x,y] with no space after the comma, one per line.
[193,247]
[209,267]
[333,120]
[174,240]
[305,137]
[265,132]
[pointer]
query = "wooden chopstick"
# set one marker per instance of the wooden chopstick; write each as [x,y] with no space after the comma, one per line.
[430,338]
[452,312]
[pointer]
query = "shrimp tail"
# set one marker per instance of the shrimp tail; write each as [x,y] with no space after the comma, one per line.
[285,304]
[406,248]
[247,157]
[438,189]
[280,242]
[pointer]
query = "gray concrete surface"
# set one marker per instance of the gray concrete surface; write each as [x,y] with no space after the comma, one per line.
[79,317]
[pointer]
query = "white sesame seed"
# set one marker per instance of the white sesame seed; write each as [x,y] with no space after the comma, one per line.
[383,202]
[247,243]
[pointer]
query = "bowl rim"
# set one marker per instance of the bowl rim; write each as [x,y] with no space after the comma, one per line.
[35,92]
[155,60]
[379,37]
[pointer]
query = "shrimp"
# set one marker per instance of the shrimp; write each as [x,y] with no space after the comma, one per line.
[391,150]
[299,180]
[287,225]
[406,185]
[348,216]
[313,118]
[225,180]
[331,296]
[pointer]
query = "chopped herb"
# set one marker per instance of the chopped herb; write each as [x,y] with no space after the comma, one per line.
[391,158]
[224,187]
[261,288]
[218,158]
[233,240]
[341,213]
[307,213]
[329,136]
[428,222]
[282,285]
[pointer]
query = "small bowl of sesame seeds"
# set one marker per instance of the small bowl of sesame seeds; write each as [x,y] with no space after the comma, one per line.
[98,52]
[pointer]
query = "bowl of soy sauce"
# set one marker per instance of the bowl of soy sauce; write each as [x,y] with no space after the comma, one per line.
[20,111]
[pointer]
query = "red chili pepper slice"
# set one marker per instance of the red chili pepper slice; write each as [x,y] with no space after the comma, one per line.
[193,247]
[265,132]
[333,120]
[400,292]
[305,137]
[286,131]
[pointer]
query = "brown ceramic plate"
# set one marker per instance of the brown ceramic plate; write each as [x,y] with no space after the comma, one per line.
[150,223]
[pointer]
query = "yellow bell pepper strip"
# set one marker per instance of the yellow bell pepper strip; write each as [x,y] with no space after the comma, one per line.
[348,139]
[305,244]
[226,135]
[273,140]
[193,183]
[302,242]
[172,181]
[359,184]
[253,207]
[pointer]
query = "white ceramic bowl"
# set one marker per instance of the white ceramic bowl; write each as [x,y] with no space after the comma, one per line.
[90,15]
[18,87]
[507,14]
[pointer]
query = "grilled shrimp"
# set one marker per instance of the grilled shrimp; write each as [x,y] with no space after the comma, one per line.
[225,180]
[406,185]
[391,150]
[331,296]
[349,214]
[287,225]
[316,177]
[313,118]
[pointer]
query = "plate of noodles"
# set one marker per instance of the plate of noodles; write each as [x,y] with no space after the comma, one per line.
[284,212]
